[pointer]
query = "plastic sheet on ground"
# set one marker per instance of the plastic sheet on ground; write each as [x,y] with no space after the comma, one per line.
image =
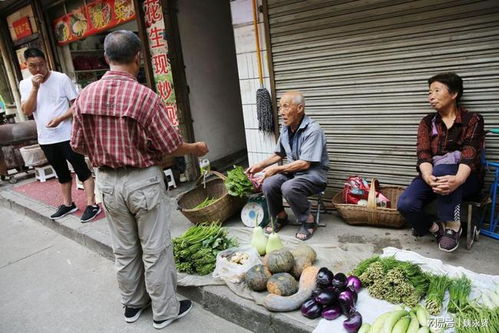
[339,258]
[370,308]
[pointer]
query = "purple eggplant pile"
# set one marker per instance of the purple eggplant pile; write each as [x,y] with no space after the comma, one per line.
[335,295]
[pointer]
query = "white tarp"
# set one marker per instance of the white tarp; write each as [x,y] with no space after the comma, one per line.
[370,308]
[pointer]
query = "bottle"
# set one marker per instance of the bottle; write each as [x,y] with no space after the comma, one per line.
[204,166]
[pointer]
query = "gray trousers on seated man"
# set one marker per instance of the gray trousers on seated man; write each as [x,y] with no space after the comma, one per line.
[295,189]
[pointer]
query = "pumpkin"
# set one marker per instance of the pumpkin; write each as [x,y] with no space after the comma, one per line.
[257,277]
[304,257]
[300,264]
[306,251]
[280,261]
[265,260]
[290,303]
[282,284]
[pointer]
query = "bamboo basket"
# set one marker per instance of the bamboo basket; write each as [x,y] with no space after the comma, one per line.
[219,211]
[371,214]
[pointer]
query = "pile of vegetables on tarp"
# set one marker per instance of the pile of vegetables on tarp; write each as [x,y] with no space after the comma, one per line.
[400,320]
[393,280]
[335,295]
[237,182]
[404,282]
[196,250]
[278,275]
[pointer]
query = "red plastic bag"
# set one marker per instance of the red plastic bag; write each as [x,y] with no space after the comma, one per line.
[357,188]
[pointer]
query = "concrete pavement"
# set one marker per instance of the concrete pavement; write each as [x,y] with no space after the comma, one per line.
[49,283]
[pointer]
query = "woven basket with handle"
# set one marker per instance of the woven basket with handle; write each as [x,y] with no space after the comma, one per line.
[220,210]
[372,214]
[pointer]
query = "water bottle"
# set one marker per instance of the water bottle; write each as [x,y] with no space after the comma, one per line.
[204,166]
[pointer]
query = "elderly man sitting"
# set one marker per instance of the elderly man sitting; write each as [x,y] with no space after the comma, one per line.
[303,143]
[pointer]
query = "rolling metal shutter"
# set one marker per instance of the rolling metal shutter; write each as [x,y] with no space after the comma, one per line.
[363,67]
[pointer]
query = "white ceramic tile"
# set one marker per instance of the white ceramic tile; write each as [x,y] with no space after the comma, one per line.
[250,116]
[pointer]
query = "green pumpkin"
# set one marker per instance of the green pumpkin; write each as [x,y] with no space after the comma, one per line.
[257,277]
[282,284]
[280,261]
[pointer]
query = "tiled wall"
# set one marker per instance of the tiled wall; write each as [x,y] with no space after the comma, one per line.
[259,144]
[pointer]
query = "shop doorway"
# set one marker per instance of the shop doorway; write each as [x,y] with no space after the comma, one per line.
[208,52]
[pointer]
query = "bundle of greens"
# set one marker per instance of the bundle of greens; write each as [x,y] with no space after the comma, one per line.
[238,183]
[393,280]
[436,292]
[459,292]
[196,250]
[476,319]
[208,201]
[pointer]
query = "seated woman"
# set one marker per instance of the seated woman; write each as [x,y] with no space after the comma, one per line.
[448,148]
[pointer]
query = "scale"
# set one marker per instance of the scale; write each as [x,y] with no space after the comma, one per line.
[255,211]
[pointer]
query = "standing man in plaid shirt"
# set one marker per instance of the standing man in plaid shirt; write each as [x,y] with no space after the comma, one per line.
[123,127]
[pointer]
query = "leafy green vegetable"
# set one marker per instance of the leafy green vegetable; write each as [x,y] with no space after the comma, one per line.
[459,291]
[393,280]
[238,183]
[436,292]
[196,250]
[476,319]
[205,203]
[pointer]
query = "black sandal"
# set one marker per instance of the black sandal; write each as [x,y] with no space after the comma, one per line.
[305,230]
[278,225]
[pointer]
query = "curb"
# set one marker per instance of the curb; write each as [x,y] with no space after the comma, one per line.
[219,300]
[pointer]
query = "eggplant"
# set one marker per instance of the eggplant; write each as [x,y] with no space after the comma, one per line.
[354,283]
[339,281]
[346,302]
[351,293]
[324,277]
[326,297]
[353,323]
[311,309]
[316,292]
[331,312]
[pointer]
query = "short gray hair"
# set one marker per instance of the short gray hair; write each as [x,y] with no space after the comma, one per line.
[297,97]
[121,46]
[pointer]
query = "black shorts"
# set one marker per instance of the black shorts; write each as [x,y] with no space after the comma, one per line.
[58,153]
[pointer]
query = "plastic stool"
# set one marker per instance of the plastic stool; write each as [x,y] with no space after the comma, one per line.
[44,172]
[171,181]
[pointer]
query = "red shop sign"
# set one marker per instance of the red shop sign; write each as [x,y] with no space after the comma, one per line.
[95,17]
[22,28]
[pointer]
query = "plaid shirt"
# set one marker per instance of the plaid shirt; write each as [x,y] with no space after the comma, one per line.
[121,123]
[466,135]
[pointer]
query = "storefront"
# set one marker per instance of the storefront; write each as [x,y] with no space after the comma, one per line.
[196,78]
[19,30]
[363,67]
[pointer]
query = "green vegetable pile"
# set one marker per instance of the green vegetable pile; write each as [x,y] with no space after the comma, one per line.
[436,292]
[205,203]
[196,250]
[393,280]
[477,319]
[238,183]
[459,292]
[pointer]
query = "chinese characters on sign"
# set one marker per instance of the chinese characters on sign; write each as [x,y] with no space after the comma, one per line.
[448,322]
[92,18]
[22,28]
[158,45]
